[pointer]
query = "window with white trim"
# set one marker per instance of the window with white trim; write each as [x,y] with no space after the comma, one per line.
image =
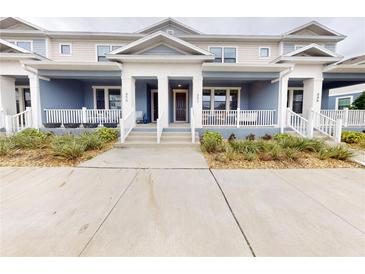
[344,102]
[65,49]
[107,97]
[296,47]
[224,54]
[221,98]
[23,44]
[103,50]
[264,52]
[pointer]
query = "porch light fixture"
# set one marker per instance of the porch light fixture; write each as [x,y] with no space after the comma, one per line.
[179,85]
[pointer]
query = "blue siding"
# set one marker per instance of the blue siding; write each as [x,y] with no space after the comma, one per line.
[61,94]
[332,99]
[263,95]
[39,46]
[143,98]
[324,102]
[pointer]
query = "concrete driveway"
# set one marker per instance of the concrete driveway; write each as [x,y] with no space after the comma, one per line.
[168,211]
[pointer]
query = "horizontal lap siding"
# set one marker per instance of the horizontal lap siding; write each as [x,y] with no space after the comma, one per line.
[248,52]
[82,50]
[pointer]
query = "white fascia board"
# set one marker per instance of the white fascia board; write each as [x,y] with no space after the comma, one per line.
[160,58]
[304,38]
[73,65]
[18,56]
[20,20]
[353,68]
[246,67]
[165,35]
[313,23]
[313,45]
[306,60]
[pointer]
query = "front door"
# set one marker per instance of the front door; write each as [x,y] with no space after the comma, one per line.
[181,105]
[154,105]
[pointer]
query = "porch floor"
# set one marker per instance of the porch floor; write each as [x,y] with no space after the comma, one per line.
[173,125]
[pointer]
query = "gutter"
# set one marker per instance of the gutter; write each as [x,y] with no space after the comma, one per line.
[283,74]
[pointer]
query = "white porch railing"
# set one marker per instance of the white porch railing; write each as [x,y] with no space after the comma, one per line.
[192,125]
[238,118]
[82,116]
[299,124]
[327,126]
[352,117]
[159,127]
[19,121]
[126,125]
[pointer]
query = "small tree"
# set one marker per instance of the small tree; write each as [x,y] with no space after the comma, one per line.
[359,103]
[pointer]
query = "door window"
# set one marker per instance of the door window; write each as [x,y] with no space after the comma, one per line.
[220,99]
[298,101]
[114,99]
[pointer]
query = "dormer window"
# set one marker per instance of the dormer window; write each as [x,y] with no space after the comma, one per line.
[170,31]
[298,47]
[23,44]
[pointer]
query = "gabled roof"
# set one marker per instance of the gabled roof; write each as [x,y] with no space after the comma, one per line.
[7,47]
[157,38]
[9,51]
[313,50]
[17,24]
[357,60]
[168,22]
[313,28]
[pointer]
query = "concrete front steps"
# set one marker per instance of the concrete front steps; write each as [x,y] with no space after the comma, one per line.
[170,137]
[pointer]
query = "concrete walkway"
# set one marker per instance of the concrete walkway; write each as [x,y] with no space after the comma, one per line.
[167,211]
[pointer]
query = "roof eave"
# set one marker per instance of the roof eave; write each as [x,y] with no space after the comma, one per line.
[159,58]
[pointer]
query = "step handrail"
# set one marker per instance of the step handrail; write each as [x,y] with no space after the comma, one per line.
[159,128]
[299,124]
[126,125]
[328,126]
[192,125]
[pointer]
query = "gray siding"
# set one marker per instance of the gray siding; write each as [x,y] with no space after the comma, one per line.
[331,47]
[39,46]
[162,50]
[287,47]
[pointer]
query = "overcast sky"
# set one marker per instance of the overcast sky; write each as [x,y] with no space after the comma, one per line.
[353,28]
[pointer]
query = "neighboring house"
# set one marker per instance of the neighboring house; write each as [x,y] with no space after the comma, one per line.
[171,73]
[340,98]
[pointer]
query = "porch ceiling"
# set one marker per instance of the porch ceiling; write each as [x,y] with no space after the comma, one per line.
[79,74]
[239,76]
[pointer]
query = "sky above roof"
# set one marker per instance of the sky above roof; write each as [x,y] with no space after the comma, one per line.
[353,28]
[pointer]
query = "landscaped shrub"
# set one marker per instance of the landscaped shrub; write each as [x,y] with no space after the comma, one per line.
[232,138]
[337,152]
[245,146]
[291,154]
[352,137]
[91,141]
[250,156]
[275,152]
[266,137]
[212,142]
[250,137]
[107,134]
[30,138]
[281,136]
[299,143]
[5,147]
[68,147]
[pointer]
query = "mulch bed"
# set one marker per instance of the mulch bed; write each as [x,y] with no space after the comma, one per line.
[306,160]
[43,158]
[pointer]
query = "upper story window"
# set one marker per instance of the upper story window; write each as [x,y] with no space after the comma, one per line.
[298,47]
[23,44]
[224,54]
[264,52]
[103,50]
[65,49]
[170,31]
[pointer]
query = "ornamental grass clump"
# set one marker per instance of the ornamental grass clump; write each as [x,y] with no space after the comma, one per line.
[5,147]
[337,152]
[212,142]
[92,141]
[107,134]
[30,139]
[68,147]
[352,137]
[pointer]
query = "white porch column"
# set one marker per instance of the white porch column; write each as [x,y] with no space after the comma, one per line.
[312,95]
[7,95]
[163,100]
[282,101]
[128,94]
[198,99]
[35,98]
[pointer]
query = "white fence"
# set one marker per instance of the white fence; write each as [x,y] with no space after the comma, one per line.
[350,118]
[82,116]
[2,119]
[327,125]
[126,125]
[299,124]
[192,124]
[239,118]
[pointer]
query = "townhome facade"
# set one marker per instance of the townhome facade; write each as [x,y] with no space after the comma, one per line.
[170,74]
